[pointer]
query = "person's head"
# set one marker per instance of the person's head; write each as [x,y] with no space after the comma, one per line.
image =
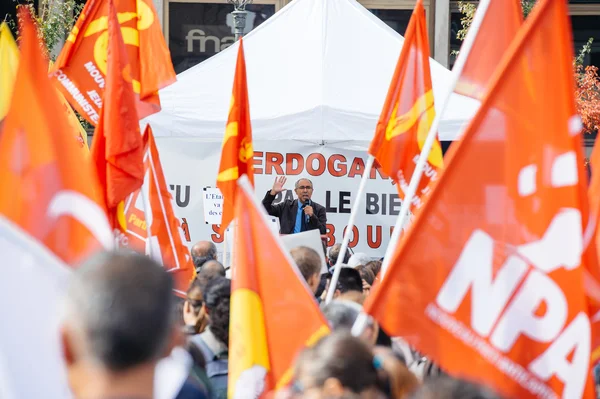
[216,304]
[366,274]
[341,315]
[212,268]
[193,307]
[202,252]
[334,253]
[304,189]
[338,366]
[119,317]
[375,266]
[401,381]
[309,263]
[349,280]
[358,259]
[451,388]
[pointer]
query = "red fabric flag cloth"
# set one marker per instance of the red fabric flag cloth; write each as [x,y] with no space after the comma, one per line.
[500,25]
[500,240]
[118,148]
[50,189]
[82,67]
[165,229]
[237,151]
[265,302]
[407,115]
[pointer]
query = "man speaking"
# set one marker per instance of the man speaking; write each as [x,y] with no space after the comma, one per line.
[296,216]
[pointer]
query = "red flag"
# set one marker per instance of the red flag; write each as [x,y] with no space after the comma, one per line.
[49,187]
[165,231]
[237,152]
[501,237]
[265,302]
[408,113]
[82,66]
[499,27]
[117,148]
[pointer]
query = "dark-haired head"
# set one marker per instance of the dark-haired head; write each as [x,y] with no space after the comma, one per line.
[217,296]
[119,312]
[338,364]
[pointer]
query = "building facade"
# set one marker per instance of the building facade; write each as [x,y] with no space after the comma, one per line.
[198,29]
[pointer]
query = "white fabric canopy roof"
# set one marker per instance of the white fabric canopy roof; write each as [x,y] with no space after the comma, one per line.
[318,71]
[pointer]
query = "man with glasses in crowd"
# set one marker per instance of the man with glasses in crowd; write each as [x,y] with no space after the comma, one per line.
[298,215]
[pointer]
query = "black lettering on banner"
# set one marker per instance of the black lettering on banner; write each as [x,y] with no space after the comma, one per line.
[344,200]
[328,207]
[383,204]
[395,204]
[186,201]
[372,204]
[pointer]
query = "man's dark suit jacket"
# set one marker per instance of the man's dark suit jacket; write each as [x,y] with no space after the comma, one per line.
[287,211]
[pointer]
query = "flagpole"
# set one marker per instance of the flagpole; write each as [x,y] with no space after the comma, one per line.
[225,248]
[349,229]
[361,322]
[431,136]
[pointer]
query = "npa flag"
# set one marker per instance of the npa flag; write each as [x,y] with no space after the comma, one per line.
[501,237]
[118,148]
[49,189]
[499,27]
[265,302]
[237,152]
[408,113]
[82,66]
[9,61]
[165,245]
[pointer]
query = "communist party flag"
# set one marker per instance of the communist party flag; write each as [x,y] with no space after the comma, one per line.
[265,302]
[237,152]
[74,122]
[166,245]
[49,189]
[408,113]
[9,61]
[499,27]
[501,237]
[118,148]
[82,66]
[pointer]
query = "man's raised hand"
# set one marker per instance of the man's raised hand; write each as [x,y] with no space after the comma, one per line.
[278,185]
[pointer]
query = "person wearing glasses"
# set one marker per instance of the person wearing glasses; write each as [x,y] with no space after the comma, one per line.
[298,215]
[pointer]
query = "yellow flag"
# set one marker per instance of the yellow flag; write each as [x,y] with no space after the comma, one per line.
[73,120]
[9,61]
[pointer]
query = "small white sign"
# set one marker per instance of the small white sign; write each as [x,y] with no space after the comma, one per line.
[213,205]
[310,239]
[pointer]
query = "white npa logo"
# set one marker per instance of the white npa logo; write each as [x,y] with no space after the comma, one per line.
[503,307]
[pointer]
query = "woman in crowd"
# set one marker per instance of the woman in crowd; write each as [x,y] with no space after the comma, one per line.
[214,341]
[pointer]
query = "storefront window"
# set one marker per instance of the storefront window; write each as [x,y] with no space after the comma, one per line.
[395,19]
[197,31]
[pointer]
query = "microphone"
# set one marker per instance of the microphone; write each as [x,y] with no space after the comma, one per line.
[306,203]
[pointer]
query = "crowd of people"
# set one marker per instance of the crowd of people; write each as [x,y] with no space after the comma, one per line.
[122,322]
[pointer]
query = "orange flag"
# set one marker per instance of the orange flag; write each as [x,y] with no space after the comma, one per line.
[49,188]
[82,66]
[117,148]
[501,237]
[237,152]
[166,245]
[265,302]
[499,27]
[408,113]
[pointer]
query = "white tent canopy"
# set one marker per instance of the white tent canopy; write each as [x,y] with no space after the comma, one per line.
[318,71]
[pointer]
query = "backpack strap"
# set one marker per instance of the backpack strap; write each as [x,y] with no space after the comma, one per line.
[216,364]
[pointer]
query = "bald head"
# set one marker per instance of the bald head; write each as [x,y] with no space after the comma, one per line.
[119,311]
[202,252]
[212,268]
